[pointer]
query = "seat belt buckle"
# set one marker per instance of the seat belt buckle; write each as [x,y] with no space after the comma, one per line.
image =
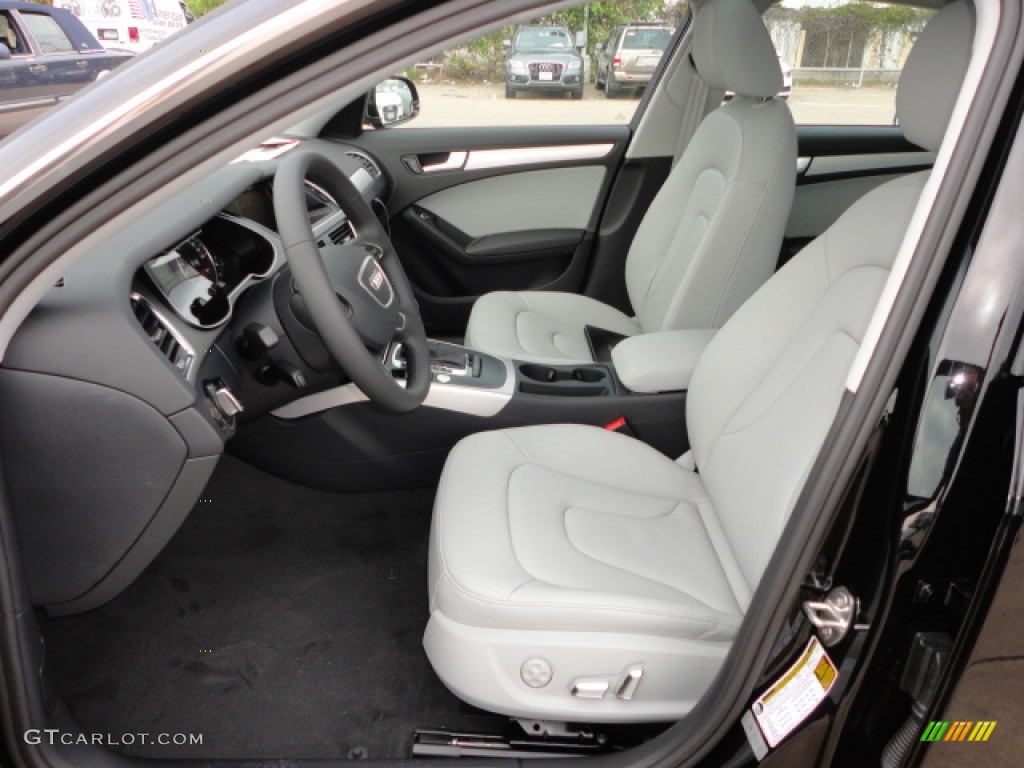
[621,426]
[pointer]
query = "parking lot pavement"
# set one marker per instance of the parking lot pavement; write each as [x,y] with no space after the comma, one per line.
[481,105]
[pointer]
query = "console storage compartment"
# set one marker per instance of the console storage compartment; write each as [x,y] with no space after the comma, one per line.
[588,380]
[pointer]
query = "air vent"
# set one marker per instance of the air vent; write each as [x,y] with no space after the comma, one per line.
[365,161]
[171,345]
[341,234]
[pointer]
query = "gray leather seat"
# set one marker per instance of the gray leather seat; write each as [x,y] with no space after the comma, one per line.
[567,560]
[712,234]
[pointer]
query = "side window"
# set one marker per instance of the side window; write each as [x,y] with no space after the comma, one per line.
[545,71]
[841,62]
[9,35]
[47,32]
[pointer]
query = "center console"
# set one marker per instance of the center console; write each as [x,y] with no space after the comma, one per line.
[338,440]
[456,367]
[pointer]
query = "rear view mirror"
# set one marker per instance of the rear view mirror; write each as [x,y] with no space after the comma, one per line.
[392,102]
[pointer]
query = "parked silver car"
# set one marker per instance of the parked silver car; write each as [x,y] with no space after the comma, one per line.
[543,59]
[630,56]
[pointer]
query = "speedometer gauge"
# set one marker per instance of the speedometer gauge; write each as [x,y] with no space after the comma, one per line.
[189,277]
[195,253]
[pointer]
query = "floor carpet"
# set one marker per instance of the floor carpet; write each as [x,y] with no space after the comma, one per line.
[280,622]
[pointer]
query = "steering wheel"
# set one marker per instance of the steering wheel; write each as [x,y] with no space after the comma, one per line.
[356,293]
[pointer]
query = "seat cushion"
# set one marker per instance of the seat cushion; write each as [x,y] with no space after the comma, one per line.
[575,528]
[565,555]
[541,326]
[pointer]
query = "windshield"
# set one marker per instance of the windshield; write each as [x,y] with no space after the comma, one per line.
[647,38]
[536,39]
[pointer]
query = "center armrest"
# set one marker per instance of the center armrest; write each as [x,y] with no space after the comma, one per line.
[660,362]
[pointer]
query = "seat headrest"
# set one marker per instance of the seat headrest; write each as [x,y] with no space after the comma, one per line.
[933,75]
[733,51]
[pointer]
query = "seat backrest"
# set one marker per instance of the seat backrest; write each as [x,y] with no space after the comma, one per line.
[713,233]
[766,390]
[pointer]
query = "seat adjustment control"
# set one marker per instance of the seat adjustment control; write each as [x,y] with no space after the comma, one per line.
[589,687]
[629,682]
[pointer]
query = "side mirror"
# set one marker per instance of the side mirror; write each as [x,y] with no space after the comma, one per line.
[5,52]
[392,102]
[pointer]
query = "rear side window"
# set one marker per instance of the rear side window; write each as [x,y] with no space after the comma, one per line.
[643,39]
[9,35]
[47,32]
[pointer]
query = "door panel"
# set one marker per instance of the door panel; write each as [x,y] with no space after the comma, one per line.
[838,165]
[474,211]
[562,198]
[817,205]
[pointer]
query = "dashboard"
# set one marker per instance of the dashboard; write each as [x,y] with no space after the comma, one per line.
[200,278]
[116,372]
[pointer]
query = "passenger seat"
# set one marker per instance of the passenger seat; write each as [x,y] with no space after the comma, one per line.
[712,235]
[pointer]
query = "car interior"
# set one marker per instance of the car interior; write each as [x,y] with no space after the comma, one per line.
[377,442]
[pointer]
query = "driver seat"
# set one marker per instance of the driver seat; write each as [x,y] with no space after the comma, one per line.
[577,574]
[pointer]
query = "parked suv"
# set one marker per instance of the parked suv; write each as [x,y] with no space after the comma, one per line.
[545,60]
[46,54]
[629,58]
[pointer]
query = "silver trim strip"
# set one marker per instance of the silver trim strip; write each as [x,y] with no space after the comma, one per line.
[880,161]
[485,159]
[446,397]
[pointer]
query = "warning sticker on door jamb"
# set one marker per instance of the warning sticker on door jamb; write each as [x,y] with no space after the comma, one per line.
[795,695]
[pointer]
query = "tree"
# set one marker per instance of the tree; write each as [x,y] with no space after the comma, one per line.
[200,7]
[837,36]
[605,16]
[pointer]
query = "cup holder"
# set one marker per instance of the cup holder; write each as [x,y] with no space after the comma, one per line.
[590,375]
[581,380]
[539,372]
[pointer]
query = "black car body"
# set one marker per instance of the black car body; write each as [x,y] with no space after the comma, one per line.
[543,59]
[46,55]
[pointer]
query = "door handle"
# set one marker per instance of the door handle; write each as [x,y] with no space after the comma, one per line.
[455,162]
[452,161]
[37,69]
